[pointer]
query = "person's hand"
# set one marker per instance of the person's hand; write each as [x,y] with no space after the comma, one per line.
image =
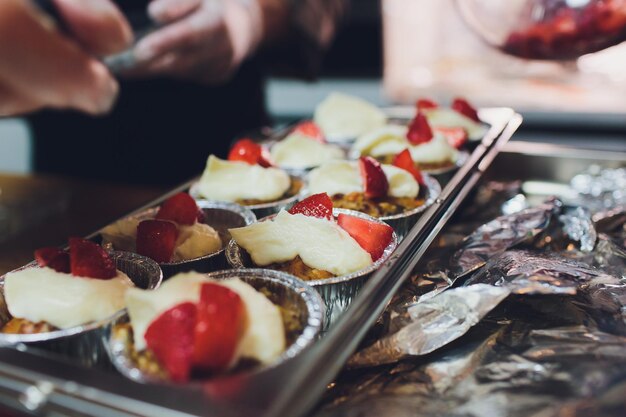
[40,67]
[201,40]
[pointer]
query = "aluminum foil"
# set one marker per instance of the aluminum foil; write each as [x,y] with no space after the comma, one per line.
[433,323]
[525,272]
[578,225]
[555,345]
[599,189]
[502,233]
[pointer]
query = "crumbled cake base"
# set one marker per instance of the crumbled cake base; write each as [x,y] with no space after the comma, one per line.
[379,207]
[298,268]
[23,326]
[294,189]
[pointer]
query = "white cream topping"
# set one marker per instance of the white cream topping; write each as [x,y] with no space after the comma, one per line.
[387,140]
[299,151]
[196,240]
[437,150]
[392,140]
[63,300]
[263,338]
[236,180]
[320,243]
[401,182]
[341,116]
[344,177]
[445,117]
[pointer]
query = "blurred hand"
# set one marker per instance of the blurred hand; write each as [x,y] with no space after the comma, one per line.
[40,67]
[202,40]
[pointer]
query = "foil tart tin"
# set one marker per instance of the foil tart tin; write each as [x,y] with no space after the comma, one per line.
[219,215]
[402,223]
[284,290]
[263,209]
[337,292]
[83,343]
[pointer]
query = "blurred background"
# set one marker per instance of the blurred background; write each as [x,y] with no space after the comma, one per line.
[394,51]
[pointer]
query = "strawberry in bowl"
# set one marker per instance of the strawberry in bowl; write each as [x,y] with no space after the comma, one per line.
[332,249]
[180,235]
[395,193]
[200,326]
[69,295]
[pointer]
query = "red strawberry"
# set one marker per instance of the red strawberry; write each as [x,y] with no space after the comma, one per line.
[318,205]
[180,208]
[419,130]
[156,239]
[371,236]
[374,178]
[88,259]
[200,217]
[309,129]
[249,151]
[457,136]
[462,106]
[403,160]
[170,338]
[219,326]
[54,258]
[426,104]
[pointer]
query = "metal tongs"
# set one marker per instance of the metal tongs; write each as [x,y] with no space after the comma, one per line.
[116,63]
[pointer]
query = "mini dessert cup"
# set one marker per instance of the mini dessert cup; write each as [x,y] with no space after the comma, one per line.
[221,217]
[83,343]
[403,222]
[261,210]
[303,313]
[337,292]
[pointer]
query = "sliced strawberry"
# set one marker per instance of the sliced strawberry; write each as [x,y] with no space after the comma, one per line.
[219,326]
[247,150]
[318,205]
[309,129]
[371,236]
[156,239]
[374,178]
[405,161]
[419,130]
[54,258]
[88,259]
[462,106]
[200,217]
[426,104]
[170,338]
[180,208]
[457,136]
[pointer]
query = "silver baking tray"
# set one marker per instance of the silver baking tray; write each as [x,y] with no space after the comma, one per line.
[38,382]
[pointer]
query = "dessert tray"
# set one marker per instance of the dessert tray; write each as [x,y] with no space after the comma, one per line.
[48,383]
